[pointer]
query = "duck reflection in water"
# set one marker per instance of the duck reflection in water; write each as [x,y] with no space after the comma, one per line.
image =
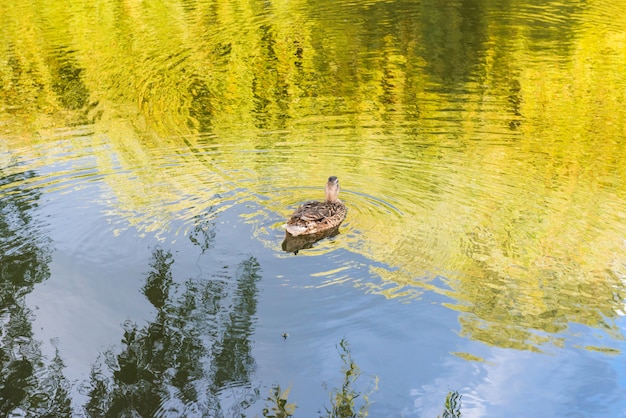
[293,244]
[314,221]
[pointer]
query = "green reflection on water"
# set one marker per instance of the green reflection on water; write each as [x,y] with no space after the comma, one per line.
[28,381]
[484,141]
[197,346]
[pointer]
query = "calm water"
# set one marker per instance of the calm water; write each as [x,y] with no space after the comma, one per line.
[151,151]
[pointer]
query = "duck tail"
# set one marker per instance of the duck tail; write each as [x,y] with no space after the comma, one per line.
[294,230]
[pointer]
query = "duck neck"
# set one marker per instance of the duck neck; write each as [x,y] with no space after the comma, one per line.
[331,194]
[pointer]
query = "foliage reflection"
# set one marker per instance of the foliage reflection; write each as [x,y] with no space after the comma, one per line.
[29,384]
[348,400]
[197,346]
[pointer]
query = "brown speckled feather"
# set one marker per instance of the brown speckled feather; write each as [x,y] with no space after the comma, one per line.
[313,217]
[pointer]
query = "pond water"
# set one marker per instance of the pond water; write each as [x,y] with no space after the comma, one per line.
[150,153]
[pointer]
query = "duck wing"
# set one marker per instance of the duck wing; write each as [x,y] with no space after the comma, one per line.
[315,217]
[312,212]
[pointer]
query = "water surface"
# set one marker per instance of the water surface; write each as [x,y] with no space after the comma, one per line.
[150,153]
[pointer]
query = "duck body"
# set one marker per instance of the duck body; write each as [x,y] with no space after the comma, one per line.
[316,217]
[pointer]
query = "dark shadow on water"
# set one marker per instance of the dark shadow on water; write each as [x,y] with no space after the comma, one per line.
[197,345]
[203,233]
[293,244]
[30,384]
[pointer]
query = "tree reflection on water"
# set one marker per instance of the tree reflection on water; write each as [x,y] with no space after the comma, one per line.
[28,386]
[344,401]
[197,346]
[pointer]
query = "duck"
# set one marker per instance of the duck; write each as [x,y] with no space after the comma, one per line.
[317,217]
